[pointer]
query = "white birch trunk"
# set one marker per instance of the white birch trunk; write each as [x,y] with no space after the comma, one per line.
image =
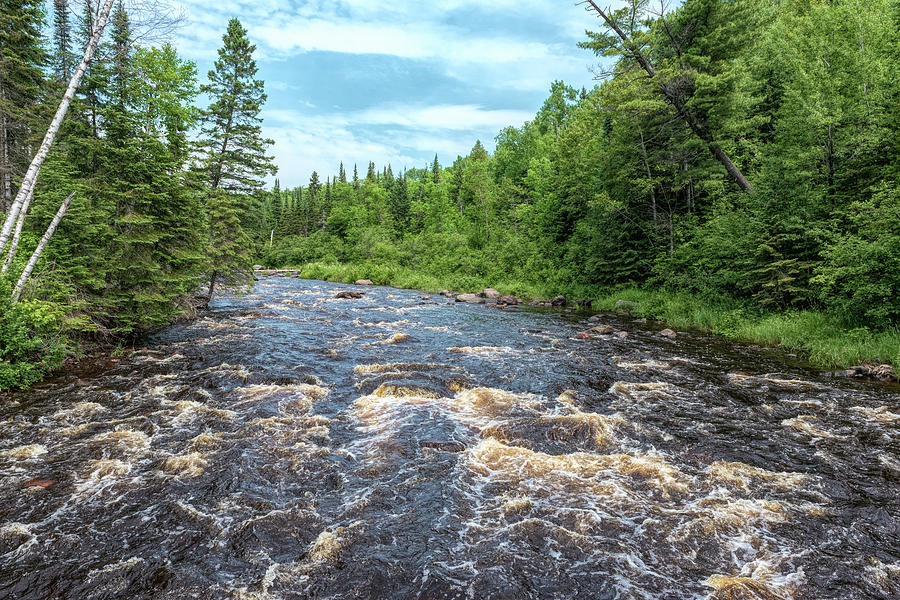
[34,170]
[17,235]
[17,293]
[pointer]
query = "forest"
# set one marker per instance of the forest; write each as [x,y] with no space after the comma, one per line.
[735,168]
[161,187]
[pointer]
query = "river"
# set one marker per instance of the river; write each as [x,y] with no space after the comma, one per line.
[292,445]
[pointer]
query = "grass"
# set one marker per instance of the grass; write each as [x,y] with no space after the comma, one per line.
[820,338]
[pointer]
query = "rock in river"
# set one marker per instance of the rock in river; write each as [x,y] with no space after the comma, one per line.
[668,333]
[490,293]
[364,282]
[508,301]
[348,295]
[470,299]
[558,301]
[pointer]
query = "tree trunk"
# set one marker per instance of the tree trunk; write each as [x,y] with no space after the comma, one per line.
[212,285]
[30,179]
[17,293]
[675,100]
[649,176]
[17,235]
[5,169]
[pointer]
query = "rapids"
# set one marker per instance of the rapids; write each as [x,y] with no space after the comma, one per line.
[292,445]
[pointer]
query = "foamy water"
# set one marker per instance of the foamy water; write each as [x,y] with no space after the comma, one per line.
[291,445]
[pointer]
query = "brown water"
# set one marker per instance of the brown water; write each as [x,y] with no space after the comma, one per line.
[290,445]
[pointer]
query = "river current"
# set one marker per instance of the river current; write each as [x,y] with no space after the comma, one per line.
[290,445]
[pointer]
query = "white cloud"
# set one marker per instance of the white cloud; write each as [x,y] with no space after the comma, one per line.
[400,135]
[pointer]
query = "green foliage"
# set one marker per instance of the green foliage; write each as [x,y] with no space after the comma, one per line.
[234,150]
[616,186]
[31,342]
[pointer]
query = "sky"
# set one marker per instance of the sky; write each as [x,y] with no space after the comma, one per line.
[394,82]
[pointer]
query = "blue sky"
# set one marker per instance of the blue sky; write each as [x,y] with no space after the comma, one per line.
[360,80]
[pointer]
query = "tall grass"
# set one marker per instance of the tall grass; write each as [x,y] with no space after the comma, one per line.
[820,338]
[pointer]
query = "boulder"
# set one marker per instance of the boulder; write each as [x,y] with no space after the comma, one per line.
[668,333]
[879,373]
[348,296]
[446,294]
[364,282]
[585,303]
[625,305]
[470,299]
[603,330]
[509,301]
[558,301]
[490,293]
[584,335]
[622,335]
[595,319]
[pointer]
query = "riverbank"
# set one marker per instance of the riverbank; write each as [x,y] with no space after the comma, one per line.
[818,337]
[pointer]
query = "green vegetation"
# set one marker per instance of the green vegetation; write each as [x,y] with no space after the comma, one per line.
[157,213]
[739,160]
[738,164]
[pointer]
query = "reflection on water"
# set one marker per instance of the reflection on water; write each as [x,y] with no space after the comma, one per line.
[290,445]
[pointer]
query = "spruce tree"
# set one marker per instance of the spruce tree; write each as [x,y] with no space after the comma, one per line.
[436,170]
[228,246]
[342,174]
[233,147]
[355,177]
[371,177]
[22,58]
[63,60]
[399,206]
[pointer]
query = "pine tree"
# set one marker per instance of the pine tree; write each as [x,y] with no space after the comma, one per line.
[234,150]
[371,177]
[342,174]
[63,60]
[399,206]
[228,246]
[355,177]
[436,170]
[22,58]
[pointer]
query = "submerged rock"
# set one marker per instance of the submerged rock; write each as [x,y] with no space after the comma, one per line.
[40,483]
[444,446]
[470,299]
[584,335]
[348,295]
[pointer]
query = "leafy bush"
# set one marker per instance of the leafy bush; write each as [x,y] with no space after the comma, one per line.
[31,342]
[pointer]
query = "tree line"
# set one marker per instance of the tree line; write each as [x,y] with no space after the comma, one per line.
[745,149]
[158,191]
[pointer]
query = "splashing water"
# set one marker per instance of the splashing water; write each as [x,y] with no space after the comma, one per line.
[291,446]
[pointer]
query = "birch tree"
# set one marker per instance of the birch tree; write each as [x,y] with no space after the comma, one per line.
[23,279]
